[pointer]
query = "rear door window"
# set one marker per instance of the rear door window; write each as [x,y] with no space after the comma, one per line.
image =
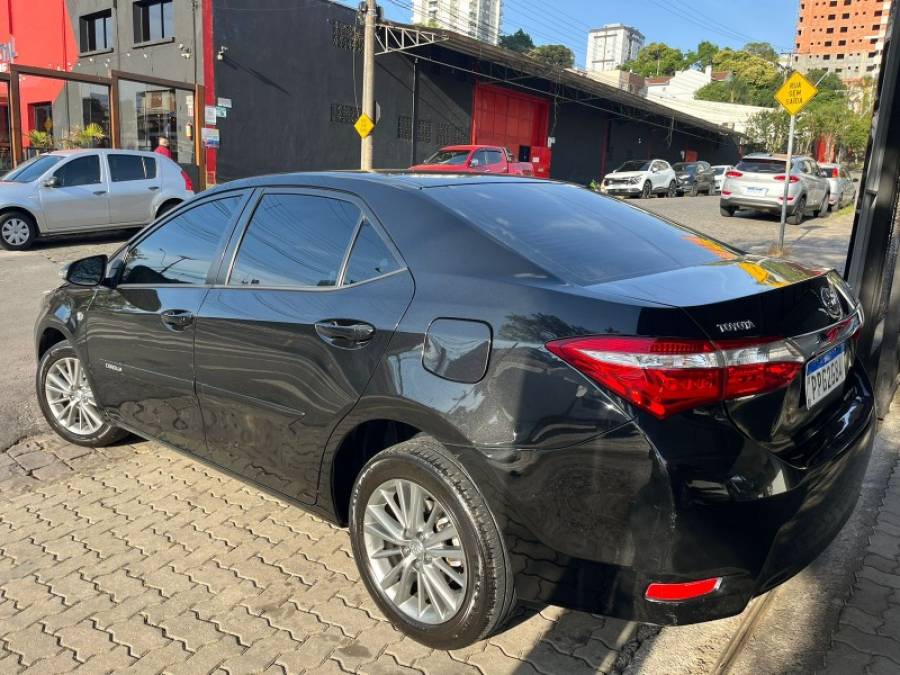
[79,171]
[370,257]
[576,234]
[295,241]
[493,156]
[130,167]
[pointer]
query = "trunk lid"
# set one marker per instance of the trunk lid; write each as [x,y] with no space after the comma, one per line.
[755,297]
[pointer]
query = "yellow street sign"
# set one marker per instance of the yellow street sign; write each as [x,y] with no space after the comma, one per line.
[795,93]
[364,125]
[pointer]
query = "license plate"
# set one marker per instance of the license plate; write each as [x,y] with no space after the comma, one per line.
[825,373]
[758,191]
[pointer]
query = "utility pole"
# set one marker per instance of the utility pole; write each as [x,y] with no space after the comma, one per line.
[368,92]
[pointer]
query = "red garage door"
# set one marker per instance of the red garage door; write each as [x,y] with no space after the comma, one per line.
[509,118]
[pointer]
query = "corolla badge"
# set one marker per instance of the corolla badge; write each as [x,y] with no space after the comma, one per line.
[830,302]
[734,326]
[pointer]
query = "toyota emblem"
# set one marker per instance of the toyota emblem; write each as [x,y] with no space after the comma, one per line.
[831,303]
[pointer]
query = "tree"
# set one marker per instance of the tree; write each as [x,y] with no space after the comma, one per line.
[769,128]
[657,58]
[763,50]
[520,41]
[752,68]
[558,56]
[705,54]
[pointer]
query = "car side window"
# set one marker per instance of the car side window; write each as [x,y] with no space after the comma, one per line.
[130,167]
[295,241]
[370,257]
[493,156]
[80,171]
[181,251]
[479,158]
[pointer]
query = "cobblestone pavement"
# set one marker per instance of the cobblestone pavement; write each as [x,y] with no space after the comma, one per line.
[867,639]
[138,557]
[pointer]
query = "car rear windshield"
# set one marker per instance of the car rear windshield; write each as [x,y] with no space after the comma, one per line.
[448,157]
[576,234]
[719,170]
[682,167]
[635,165]
[32,169]
[762,165]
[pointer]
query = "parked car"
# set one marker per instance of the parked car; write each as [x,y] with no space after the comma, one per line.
[474,159]
[694,178]
[842,188]
[719,171]
[641,178]
[668,425]
[71,191]
[757,182]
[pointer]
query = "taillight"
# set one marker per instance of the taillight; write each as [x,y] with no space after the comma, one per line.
[793,179]
[835,172]
[668,375]
[188,183]
[733,174]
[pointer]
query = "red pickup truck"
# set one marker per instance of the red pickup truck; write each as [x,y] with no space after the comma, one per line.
[474,159]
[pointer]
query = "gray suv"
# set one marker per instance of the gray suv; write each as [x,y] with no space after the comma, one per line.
[757,182]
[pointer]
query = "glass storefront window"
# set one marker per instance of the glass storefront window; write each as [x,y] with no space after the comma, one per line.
[148,112]
[58,114]
[5,135]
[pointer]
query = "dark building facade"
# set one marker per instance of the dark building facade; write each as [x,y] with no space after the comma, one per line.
[289,73]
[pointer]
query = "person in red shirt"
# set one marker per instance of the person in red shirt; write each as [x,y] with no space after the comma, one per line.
[163,147]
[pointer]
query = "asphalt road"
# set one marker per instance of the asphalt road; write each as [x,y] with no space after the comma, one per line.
[24,276]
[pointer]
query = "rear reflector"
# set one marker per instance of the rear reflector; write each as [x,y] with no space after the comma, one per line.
[726,193]
[682,591]
[668,375]
[188,183]
[733,174]
[793,179]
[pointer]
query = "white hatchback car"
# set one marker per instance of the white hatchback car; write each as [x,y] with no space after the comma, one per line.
[641,178]
[85,191]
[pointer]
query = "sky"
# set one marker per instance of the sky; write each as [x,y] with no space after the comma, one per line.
[679,23]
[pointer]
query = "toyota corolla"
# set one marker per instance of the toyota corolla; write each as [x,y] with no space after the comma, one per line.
[507,389]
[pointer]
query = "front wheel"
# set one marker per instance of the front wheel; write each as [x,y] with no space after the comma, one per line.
[428,547]
[67,401]
[824,207]
[17,231]
[672,191]
[647,190]
[796,218]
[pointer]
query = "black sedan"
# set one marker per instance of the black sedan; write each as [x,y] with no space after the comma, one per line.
[508,389]
[694,178]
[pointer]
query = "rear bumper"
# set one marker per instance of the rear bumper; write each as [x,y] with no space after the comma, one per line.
[591,527]
[767,204]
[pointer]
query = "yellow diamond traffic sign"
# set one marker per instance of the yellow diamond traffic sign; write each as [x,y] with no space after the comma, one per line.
[795,93]
[364,125]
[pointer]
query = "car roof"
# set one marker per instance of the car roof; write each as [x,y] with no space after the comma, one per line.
[106,151]
[780,156]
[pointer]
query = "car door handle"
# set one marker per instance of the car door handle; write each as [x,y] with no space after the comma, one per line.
[336,332]
[99,192]
[153,187]
[177,319]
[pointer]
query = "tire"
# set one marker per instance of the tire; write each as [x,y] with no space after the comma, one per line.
[95,432]
[165,208]
[726,211]
[646,190]
[824,208]
[672,191]
[17,231]
[799,211]
[485,600]
[694,191]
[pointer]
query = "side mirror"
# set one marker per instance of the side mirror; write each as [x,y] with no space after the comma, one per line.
[51,182]
[654,169]
[86,271]
[474,162]
[855,179]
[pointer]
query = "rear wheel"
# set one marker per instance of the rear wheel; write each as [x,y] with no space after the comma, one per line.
[726,211]
[822,211]
[428,547]
[672,191]
[647,190]
[67,401]
[799,211]
[17,231]
[694,191]
[168,206]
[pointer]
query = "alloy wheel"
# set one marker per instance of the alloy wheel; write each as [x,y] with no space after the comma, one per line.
[70,398]
[414,551]
[15,231]
[645,191]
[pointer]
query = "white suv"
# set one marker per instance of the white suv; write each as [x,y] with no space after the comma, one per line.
[641,177]
[85,191]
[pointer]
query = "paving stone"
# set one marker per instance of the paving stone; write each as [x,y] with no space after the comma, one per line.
[208,657]
[386,665]
[85,640]
[261,655]
[879,577]
[869,597]
[877,645]
[31,644]
[842,659]
[492,660]
[882,666]
[159,659]
[243,625]
[30,461]
[137,636]
[860,620]
[313,652]
[52,471]
[25,591]
[63,662]
[119,585]
[190,630]
[71,451]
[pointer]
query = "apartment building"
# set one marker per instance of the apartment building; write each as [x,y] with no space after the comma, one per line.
[845,37]
[479,19]
[611,46]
